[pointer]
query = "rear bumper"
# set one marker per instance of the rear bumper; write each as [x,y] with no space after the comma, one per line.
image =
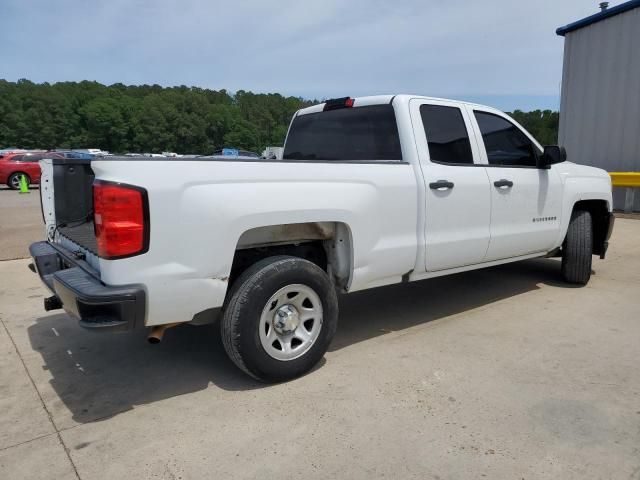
[78,288]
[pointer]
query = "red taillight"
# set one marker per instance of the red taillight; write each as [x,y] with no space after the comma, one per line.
[121,219]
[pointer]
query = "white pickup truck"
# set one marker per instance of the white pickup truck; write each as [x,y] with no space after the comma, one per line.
[370,191]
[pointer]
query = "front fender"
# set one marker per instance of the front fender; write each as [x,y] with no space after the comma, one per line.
[581,183]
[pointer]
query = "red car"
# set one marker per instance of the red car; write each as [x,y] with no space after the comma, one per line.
[14,165]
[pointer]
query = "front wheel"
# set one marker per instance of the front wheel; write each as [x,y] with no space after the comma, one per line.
[281,316]
[14,180]
[577,249]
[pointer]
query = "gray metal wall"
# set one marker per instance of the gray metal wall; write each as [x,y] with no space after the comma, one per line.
[600,98]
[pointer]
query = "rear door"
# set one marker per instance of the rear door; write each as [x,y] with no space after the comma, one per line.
[457,195]
[525,200]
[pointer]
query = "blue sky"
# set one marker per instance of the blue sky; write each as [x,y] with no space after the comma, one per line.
[503,53]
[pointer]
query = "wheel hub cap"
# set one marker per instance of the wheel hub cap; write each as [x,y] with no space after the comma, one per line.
[291,322]
[286,319]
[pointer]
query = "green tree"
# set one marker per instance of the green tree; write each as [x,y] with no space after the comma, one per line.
[542,124]
[104,123]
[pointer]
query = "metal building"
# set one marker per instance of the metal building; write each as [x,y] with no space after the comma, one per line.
[600,97]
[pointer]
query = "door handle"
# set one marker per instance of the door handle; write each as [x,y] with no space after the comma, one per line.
[503,183]
[441,185]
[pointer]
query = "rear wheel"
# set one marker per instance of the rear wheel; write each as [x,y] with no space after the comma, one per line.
[577,248]
[281,316]
[14,180]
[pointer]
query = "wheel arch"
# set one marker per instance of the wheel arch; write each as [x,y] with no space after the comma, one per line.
[600,221]
[328,244]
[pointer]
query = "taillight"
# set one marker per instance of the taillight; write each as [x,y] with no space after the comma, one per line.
[121,219]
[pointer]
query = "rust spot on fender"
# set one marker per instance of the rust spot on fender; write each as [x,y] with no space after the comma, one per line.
[279,234]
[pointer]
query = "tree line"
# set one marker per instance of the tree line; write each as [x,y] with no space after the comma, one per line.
[542,124]
[146,118]
[151,118]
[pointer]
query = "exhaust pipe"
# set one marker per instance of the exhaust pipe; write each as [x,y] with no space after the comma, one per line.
[52,303]
[157,332]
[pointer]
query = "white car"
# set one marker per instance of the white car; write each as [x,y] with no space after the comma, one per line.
[370,191]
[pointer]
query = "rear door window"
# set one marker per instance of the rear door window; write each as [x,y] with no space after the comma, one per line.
[359,133]
[447,134]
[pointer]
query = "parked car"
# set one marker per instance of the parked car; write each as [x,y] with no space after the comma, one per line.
[234,152]
[75,154]
[371,191]
[14,166]
[92,151]
[273,153]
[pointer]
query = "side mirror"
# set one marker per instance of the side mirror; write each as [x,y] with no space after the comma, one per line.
[551,155]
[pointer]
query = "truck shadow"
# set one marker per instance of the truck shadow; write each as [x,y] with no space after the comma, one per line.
[375,312]
[98,376]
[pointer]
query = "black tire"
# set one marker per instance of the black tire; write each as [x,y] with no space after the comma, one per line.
[248,298]
[577,248]
[13,182]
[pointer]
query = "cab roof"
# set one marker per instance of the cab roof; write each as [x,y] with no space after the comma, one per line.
[384,99]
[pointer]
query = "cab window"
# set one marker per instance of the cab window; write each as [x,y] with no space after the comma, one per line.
[447,135]
[361,133]
[505,143]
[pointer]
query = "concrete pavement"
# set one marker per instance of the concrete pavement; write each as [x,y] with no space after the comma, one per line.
[499,373]
[20,222]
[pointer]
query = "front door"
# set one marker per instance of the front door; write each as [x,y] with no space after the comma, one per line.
[525,200]
[458,197]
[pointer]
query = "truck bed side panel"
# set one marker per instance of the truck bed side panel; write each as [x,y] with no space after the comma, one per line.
[199,210]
